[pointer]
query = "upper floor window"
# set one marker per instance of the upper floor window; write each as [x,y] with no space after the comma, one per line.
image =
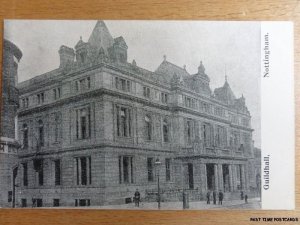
[122,84]
[219,111]
[164,98]
[56,93]
[221,137]
[207,133]
[83,84]
[41,133]
[25,135]
[146,92]
[40,98]
[148,127]
[38,167]
[189,130]
[165,129]
[245,122]
[123,121]
[25,102]
[56,128]
[126,169]
[168,169]
[83,123]
[25,174]
[235,139]
[57,172]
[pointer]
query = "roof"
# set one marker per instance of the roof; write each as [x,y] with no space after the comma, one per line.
[101,37]
[225,94]
[168,70]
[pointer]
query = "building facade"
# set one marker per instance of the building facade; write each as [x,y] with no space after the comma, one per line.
[93,130]
[8,143]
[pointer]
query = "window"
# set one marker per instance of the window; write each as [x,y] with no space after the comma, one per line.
[164,98]
[189,130]
[41,133]
[23,202]
[83,123]
[148,128]
[122,84]
[207,133]
[188,102]
[56,93]
[221,137]
[56,128]
[83,84]
[168,169]
[146,92]
[57,172]
[25,103]
[245,122]
[55,202]
[165,131]
[150,167]
[37,202]
[25,136]
[83,170]
[25,174]
[38,167]
[219,111]
[123,122]
[40,98]
[126,169]
[82,202]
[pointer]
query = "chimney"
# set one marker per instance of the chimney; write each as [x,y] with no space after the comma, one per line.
[67,55]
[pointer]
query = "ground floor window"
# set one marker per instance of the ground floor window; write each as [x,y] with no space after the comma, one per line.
[126,169]
[82,202]
[55,202]
[37,202]
[83,170]
[24,202]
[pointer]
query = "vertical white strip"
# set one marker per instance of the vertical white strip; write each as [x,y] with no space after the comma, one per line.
[277,115]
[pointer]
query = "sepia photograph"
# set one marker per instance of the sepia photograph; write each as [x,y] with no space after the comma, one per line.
[137,115]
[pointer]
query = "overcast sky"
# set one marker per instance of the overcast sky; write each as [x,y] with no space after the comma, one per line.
[234,45]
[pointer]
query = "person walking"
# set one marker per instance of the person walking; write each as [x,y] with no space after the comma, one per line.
[208,198]
[242,195]
[137,198]
[215,197]
[246,198]
[221,195]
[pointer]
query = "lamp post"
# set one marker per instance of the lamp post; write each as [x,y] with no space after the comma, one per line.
[157,166]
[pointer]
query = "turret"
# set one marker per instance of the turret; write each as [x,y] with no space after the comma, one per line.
[66,55]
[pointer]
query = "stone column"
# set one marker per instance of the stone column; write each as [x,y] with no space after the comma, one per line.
[233,168]
[220,172]
[243,179]
[216,176]
[203,178]
[230,177]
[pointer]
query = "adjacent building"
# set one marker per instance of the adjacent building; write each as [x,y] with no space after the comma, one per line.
[8,140]
[93,130]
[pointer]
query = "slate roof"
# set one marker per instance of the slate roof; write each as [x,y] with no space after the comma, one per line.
[168,70]
[225,94]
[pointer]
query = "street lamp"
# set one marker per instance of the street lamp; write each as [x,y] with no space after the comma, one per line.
[157,166]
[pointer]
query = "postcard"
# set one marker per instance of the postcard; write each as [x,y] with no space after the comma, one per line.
[157,115]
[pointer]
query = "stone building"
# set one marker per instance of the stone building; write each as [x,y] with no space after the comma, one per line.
[8,142]
[93,129]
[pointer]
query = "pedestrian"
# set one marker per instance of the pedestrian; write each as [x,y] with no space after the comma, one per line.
[215,197]
[246,198]
[208,198]
[242,195]
[137,198]
[221,195]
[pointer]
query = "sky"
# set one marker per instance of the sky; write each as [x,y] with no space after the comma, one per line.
[225,48]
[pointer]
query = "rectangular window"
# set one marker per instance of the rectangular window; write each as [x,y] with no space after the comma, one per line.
[57,172]
[40,98]
[146,92]
[25,174]
[56,93]
[122,84]
[38,167]
[82,202]
[168,169]
[189,131]
[207,133]
[83,170]
[164,98]
[55,202]
[150,167]
[24,202]
[83,123]
[126,169]
[123,122]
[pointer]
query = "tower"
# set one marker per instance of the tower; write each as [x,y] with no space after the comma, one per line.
[8,143]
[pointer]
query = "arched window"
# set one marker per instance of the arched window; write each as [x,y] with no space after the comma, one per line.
[148,127]
[41,133]
[25,135]
[165,131]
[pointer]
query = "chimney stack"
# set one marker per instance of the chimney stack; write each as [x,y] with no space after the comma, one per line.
[67,55]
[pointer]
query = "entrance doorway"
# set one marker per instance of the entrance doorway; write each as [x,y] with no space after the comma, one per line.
[210,176]
[226,177]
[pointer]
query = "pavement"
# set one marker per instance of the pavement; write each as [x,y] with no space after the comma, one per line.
[253,203]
